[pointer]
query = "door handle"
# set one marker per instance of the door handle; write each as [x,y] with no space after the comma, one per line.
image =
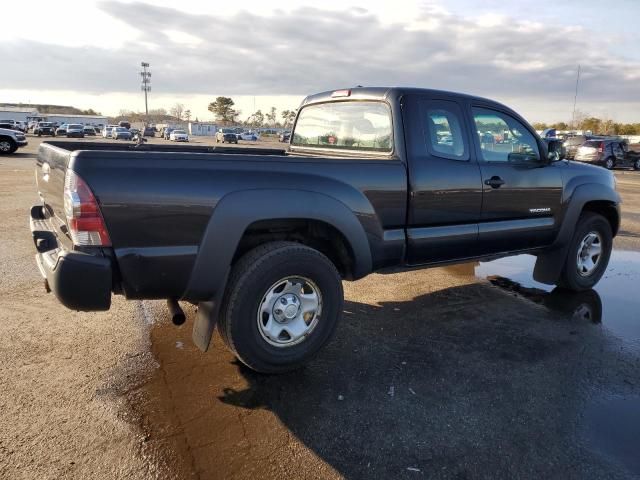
[494,182]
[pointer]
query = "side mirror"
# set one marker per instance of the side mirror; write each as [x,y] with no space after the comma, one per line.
[555,150]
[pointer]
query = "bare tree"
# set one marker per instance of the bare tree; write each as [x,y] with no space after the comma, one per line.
[177,110]
[187,114]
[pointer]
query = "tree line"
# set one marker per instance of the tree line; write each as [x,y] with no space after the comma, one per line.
[225,113]
[599,126]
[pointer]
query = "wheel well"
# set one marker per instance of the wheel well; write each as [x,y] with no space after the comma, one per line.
[313,233]
[607,210]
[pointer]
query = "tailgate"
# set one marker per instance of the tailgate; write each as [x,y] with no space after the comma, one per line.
[51,167]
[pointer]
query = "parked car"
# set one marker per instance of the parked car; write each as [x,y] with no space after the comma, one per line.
[97,130]
[44,128]
[261,239]
[284,136]
[61,130]
[89,130]
[608,153]
[250,136]
[572,143]
[179,136]
[125,124]
[166,132]
[134,132]
[106,131]
[11,139]
[75,130]
[120,133]
[149,132]
[226,135]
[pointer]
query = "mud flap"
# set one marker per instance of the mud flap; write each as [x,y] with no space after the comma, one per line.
[549,265]
[204,324]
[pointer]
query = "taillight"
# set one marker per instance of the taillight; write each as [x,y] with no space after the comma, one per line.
[601,147]
[84,218]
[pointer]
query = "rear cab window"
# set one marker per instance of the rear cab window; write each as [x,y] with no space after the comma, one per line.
[442,129]
[357,126]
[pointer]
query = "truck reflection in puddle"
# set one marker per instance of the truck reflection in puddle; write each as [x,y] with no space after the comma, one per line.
[613,302]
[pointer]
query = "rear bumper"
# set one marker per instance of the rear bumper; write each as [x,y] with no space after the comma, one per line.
[80,281]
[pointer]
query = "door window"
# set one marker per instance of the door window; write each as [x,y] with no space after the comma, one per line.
[503,138]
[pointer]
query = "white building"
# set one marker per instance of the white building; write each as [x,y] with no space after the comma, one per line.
[60,118]
[202,128]
[19,114]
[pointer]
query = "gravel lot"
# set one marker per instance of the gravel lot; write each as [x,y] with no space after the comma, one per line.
[471,371]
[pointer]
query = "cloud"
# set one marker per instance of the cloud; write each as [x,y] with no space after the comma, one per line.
[309,49]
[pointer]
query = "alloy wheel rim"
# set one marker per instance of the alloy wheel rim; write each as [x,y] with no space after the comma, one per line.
[289,311]
[5,146]
[589,254]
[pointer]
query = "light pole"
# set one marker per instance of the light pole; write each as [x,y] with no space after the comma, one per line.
[146,86]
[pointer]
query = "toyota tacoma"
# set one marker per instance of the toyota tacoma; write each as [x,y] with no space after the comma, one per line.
[373,179]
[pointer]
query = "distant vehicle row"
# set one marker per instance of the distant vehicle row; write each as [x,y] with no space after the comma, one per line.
[608,152]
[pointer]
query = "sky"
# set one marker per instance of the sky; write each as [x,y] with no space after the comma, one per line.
[524,53]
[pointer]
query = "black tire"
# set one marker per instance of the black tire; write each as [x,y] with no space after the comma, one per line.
[609,163]
[7,146]
[39,134]
[251,278]
[587,223]
[636,164]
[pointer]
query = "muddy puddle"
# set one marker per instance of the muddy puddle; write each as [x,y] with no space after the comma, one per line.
[611,422]
[614,302]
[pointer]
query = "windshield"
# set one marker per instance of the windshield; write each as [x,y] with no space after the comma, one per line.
[351,125]
[179,131]
[75,125]
[121,129]
[592,143]
[44,124]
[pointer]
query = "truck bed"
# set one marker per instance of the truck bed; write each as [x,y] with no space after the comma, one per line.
[157,200]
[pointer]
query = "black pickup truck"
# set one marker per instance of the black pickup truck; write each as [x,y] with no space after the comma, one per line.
[373,179]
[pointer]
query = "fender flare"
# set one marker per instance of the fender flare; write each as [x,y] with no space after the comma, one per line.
[236,211]
[549,264]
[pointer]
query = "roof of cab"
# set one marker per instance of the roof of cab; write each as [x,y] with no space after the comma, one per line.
[388,93]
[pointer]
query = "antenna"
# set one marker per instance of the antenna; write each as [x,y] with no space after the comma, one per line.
[575,100]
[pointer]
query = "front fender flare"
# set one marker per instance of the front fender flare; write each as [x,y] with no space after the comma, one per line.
[549,264]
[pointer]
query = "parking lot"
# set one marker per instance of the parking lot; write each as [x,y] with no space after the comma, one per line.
[472,371]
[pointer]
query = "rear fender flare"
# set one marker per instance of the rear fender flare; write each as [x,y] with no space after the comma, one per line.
[236,211]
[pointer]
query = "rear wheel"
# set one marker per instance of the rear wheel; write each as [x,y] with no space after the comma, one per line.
[636,164]
[588,254]
[609,163]
[282,304]
[7,146]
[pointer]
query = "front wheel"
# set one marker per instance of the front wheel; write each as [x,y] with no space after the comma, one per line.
[609,163]
[589,252]
[636,164]
[7,146]
[281,306]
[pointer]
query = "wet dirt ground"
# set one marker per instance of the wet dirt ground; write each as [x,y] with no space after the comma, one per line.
[472,371]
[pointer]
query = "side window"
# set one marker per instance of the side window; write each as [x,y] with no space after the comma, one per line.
[442,127]
[503,138]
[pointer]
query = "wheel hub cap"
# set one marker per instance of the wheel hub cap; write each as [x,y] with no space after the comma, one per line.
[289,311]
[589,253]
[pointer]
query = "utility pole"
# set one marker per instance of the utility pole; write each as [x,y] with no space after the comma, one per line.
[145,87]
[575,99]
